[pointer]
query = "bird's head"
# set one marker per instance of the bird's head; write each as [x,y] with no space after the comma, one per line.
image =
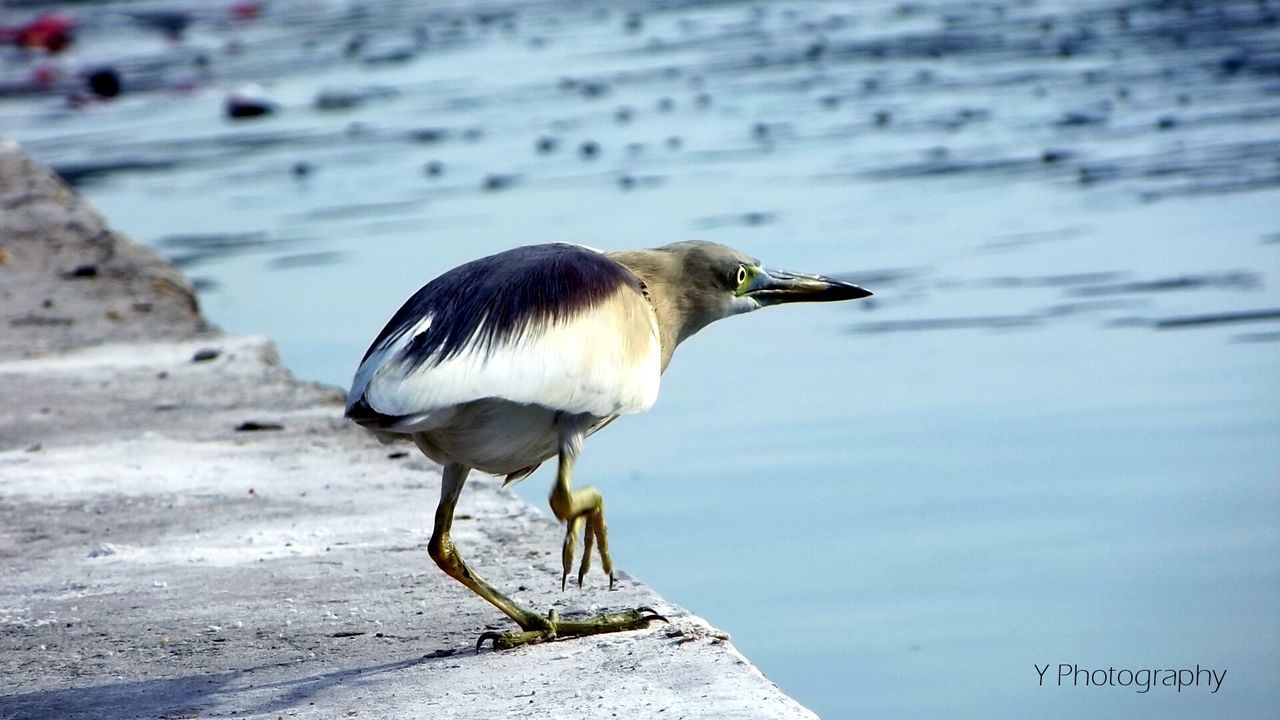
[717,281]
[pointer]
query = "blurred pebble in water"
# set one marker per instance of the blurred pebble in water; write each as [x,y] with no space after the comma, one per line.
[589,149]
[497,182]
[396,56]
[172,23]
[593,89]
[355,44]
[427,136]
[547,145]
[248,101]
[1077,119]
[435,168]
[337,99]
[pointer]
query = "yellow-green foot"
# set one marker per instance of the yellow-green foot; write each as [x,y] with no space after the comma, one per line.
[594,533]
[558,629]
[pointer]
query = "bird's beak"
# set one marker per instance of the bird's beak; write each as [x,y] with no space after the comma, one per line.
[774,287]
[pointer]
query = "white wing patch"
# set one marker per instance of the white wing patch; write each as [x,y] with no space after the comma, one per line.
[603,361]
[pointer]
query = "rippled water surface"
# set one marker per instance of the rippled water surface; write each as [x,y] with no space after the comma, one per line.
[1050,438]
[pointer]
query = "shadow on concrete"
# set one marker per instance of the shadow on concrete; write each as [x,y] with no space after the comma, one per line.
[242,692]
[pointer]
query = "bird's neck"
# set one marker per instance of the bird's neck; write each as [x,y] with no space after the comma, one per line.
[678,316]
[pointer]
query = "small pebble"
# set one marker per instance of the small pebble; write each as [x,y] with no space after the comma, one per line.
[255,426]
[104,82]
[429,135]
[499,182]
[248,101]
[593,89]
[337,99]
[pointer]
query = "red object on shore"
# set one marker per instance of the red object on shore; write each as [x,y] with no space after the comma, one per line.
[246,9]
[52,32]
[44,75]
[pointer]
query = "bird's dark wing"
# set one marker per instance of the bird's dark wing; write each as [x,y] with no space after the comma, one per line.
[560,326]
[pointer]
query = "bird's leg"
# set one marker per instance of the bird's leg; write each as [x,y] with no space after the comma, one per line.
[534,627]
[446,554]
[582,511]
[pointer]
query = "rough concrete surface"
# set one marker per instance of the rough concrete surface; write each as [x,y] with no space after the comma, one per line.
[158,559]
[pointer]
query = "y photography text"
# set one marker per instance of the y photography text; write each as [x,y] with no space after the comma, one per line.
[1142,680]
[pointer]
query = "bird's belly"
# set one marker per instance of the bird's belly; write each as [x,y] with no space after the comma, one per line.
[494,436]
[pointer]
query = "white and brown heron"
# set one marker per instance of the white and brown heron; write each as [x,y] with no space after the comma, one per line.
[510,360]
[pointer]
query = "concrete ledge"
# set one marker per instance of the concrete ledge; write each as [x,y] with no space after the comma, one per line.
[188,531]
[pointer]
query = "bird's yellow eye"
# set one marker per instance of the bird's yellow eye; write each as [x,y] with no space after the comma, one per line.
[742,274]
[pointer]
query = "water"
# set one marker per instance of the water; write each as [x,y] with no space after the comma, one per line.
[896,507]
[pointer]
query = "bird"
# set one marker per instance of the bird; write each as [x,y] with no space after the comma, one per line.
[508,361]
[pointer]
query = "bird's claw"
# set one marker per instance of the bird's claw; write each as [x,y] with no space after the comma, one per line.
[558,629]
[488,636]
[651,617]
[594,534]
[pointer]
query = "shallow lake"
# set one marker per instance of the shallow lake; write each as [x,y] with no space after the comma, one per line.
[1051,437]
